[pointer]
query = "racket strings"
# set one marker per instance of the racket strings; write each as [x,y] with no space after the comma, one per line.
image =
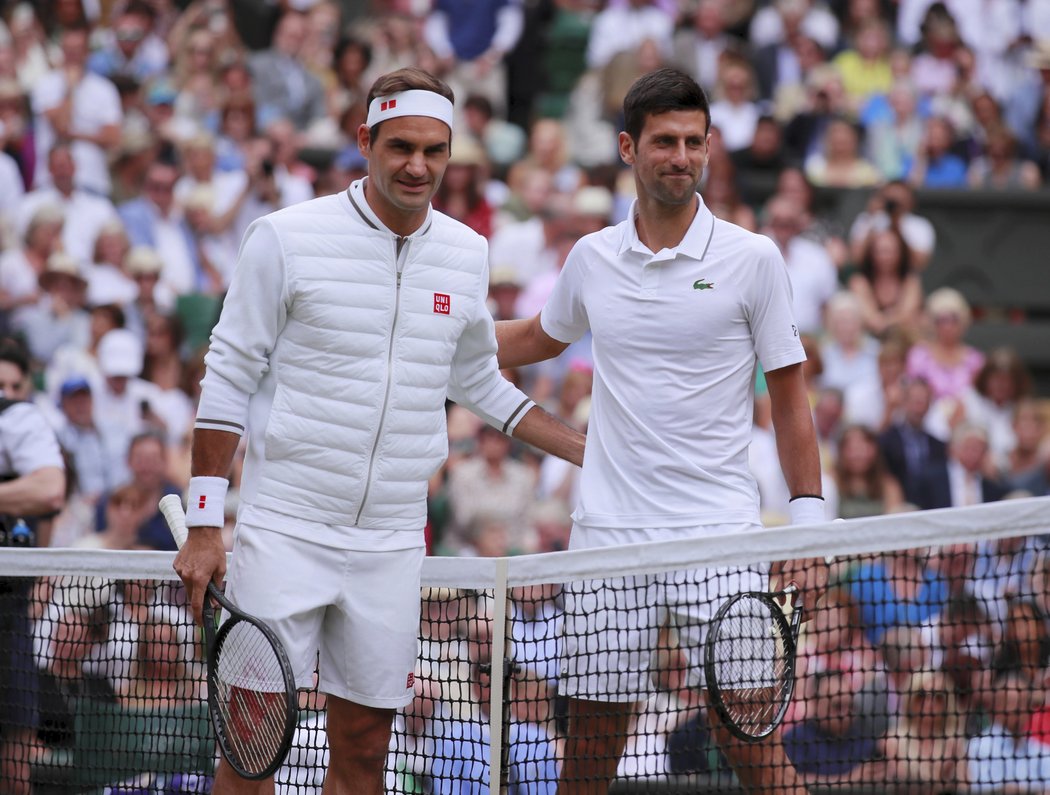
[250,694]
[752,665]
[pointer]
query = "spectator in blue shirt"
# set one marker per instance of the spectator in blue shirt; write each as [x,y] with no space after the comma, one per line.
[833,744]
[935,165]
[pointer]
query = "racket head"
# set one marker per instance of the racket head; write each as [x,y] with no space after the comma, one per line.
[252,696]
[749,662]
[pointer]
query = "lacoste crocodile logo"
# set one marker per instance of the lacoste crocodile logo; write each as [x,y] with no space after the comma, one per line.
[700,284]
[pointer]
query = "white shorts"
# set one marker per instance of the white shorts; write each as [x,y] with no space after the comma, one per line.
[358,610]
[612,626]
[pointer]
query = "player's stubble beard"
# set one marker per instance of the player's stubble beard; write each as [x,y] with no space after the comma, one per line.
[676,188]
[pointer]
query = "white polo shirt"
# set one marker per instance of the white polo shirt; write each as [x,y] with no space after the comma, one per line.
[27,442]
[675,339]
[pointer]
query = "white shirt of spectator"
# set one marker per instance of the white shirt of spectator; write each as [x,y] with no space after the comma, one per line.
[519,246]
[674,365]
[227,187]
[736,123]
[108,284]
[85,214]
[27,442]
[998,759]
[965,487]
[96,104]
[17,277]
[617,29]
[180,269]
[813,281]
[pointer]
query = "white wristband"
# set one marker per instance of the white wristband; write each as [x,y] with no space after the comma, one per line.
[206,505]
[807,510]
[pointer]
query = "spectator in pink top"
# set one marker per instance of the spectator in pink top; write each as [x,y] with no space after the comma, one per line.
[945,361]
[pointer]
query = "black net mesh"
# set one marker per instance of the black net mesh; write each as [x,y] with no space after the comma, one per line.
[922,671]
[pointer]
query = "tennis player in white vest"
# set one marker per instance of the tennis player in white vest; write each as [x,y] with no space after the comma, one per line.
[349,320]
[680,304]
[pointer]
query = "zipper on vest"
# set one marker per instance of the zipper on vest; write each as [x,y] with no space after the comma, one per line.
[400,256]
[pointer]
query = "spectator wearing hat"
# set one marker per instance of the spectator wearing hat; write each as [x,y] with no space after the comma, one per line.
[131,159]
[58,318]
[71,102]
[215,251]
[124,403]
[85,212]
[80,438]
[22,266]
[159,109]
[461,194]
[73,360]
[504,289]
[144,267]
[107,281]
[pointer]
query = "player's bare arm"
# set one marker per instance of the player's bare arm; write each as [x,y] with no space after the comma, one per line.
[800,462]
[203,558]
[524,342]
[541,429]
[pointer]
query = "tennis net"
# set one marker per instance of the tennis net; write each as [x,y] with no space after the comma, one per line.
[922,671]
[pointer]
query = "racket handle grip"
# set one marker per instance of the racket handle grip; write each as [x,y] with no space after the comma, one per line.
[171,507]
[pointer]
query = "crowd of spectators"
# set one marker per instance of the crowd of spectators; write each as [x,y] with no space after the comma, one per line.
[140,138]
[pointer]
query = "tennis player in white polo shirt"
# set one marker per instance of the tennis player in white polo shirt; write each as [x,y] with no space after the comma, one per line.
[349,322]
[680,305]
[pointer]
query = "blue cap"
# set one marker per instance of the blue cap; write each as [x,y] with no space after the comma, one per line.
[74,384]
[161,93]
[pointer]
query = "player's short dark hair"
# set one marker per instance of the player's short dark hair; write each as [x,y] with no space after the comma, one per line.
[411,78]
[661,91]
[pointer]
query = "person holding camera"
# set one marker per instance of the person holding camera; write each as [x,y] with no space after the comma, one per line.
[893,206]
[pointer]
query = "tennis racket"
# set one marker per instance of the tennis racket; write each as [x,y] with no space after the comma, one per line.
[252,697]
[749,661]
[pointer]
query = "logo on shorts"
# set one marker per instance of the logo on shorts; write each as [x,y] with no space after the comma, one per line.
[442,304]
[700,284]
[411,680]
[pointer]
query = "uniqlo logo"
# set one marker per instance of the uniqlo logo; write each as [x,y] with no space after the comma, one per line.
[442,304]
[203,500]
[411,680]
[390,104]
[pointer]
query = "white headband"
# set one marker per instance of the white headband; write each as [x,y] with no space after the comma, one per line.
[410,103]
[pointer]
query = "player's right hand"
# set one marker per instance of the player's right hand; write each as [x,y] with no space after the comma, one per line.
[201,560]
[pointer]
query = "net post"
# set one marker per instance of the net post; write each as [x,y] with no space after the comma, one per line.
[498,693]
